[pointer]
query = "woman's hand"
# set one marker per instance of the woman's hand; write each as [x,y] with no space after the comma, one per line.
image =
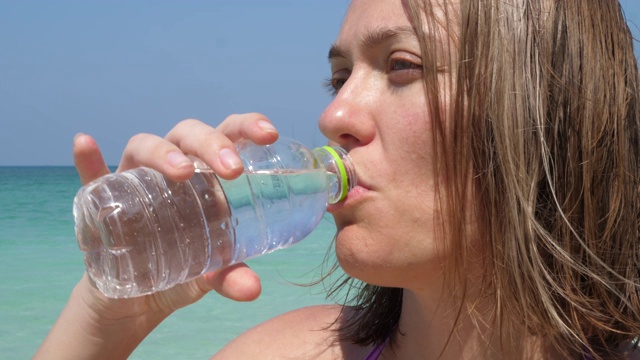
[94,322]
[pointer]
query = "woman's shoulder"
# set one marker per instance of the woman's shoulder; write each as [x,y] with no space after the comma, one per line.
[306,333]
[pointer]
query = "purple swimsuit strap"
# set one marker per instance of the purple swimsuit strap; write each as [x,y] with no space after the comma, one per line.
[375,353]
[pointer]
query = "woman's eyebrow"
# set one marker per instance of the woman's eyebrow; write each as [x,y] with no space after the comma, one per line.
[374,38]
[379,36]
[335,52]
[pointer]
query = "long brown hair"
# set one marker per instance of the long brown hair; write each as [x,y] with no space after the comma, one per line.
[546,112]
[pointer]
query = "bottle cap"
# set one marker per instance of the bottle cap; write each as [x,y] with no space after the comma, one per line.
[337,161]
[342,172]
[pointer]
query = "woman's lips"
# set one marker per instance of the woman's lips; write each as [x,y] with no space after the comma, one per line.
[358,192]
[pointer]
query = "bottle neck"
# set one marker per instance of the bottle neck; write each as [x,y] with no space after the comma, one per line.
[335,160]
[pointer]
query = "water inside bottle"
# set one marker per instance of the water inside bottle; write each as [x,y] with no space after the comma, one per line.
[274,209]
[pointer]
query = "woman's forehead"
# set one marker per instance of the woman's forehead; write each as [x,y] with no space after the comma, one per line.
[368,19]
[365,14]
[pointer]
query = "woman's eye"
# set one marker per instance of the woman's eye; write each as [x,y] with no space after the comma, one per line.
[402,71]
[401,64]
[335,83]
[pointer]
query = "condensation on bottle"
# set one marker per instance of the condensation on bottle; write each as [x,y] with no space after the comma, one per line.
[141,232]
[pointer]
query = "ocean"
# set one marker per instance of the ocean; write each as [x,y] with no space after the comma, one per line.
[40,263]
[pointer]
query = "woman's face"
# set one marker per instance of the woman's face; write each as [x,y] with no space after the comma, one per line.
[388,227]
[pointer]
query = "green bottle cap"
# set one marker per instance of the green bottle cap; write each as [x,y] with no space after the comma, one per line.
[344,181]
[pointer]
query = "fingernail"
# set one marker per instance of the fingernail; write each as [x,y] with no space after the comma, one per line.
[266,126]
[229,159]
[178,160]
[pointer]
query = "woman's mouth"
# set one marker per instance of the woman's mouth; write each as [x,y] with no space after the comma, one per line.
[354,196]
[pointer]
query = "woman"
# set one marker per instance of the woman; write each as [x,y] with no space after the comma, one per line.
[496,217]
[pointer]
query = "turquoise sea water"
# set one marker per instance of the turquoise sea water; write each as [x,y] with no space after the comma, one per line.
[40,263]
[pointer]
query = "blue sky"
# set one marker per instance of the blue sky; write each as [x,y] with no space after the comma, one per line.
[116,68]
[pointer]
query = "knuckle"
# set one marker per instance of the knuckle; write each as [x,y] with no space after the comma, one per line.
[138,139]
[254,116]
[246,117]
[191,121]
[232,118]
[211,138]
[186,124]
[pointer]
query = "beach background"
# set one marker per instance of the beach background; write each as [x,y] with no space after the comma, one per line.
[40,263]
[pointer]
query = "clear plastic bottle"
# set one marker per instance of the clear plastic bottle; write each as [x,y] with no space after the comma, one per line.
[143,233]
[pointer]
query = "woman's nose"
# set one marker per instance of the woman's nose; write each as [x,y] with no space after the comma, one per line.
[348,120]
